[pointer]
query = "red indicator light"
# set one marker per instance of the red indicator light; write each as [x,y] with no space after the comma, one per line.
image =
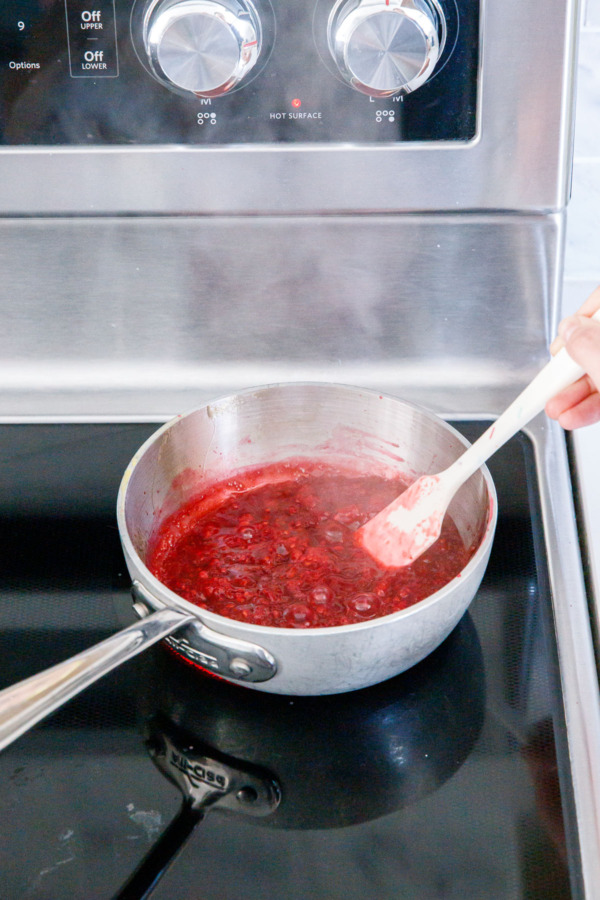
[296,103]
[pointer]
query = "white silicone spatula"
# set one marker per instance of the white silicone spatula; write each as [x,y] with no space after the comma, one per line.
[404,529]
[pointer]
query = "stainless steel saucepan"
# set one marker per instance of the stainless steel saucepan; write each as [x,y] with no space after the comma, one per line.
[264,425]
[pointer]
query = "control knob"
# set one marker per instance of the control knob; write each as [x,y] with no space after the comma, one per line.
[205,47]
[386,47]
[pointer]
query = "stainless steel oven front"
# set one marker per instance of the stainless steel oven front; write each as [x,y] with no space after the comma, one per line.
[257,106]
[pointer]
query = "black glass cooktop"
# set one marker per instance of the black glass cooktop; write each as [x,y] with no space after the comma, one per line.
[449,781]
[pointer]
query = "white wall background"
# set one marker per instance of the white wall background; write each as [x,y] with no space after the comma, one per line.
[582,257]
[582,263]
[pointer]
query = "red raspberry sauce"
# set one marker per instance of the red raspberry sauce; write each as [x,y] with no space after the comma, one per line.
[275,546]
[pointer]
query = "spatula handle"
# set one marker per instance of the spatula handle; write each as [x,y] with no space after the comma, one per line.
[556,375]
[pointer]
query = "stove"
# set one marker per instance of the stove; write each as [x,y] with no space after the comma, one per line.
[283,209]
[453,779]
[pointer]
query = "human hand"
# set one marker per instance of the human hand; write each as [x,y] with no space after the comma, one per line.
[579,404]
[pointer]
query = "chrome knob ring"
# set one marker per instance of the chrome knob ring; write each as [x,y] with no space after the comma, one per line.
[204,47]
[386,47]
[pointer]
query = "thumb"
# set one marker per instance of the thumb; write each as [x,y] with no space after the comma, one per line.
[581,337]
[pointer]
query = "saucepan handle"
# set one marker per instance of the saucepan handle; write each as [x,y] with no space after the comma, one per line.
[27,702]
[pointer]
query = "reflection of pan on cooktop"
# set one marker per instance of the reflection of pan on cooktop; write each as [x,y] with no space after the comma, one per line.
[309,762]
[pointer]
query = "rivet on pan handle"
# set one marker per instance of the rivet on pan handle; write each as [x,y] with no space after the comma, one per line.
[220,653]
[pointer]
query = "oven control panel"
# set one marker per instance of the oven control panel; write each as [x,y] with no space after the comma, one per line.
[117,72]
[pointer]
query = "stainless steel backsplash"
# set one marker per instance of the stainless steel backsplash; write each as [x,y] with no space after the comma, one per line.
[146,317]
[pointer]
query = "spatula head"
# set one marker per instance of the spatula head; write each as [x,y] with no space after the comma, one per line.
[401,532]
